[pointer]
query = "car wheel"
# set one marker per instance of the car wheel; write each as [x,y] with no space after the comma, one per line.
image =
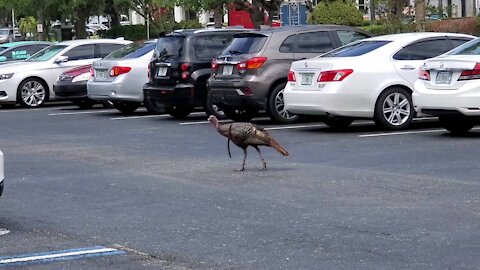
[84,103]
[126,106]
[394,109]
[276,107]
[152,107]
[240,115]
[179,112]
[457,124]
[32,92]
[337,122]
[213,109]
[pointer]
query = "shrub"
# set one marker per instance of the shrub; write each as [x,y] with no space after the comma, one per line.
[459,25]
[336,12]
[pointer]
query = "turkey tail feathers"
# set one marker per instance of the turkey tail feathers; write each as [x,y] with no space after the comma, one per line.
[279,148]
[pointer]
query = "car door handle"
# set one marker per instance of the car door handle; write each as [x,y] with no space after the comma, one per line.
[407,67]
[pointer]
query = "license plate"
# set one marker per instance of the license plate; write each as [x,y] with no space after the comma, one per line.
[162,71]
[227,70]
[307,79]
[101,75]
[444,77]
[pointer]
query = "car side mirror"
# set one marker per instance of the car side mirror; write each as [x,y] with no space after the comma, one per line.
[61,59]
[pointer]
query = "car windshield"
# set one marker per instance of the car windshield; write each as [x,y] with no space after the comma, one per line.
[3,32]
[169,46]
[245,45]
[133,50]
[356,49]
[469,48]
[46,54]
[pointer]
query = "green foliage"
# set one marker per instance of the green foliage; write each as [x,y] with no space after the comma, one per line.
[139,32]
[336,12]
[28,25]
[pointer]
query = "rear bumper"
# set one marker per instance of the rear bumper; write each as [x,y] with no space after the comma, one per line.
[113,91]
[2,175]
[235,98]
[168,96]
[463,101]
[70,90]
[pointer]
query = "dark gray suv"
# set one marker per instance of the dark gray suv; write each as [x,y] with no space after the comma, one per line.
[252,71]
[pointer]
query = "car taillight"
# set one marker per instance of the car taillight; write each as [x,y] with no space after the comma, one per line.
[334,75]
[117,70]
[214,65]
[184,68]
[470,74]
[252,63]
[291,76]
[424,74]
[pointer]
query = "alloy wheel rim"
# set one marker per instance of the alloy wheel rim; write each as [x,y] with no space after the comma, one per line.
[280,106]
[33,93]
[396,109]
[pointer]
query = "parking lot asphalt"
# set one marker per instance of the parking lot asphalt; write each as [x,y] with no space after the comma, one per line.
[164,193]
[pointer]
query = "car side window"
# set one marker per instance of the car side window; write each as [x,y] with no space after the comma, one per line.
[422,50]
[347,36]
[106,49]
[314,42]
[210,46]
[457,42]
[23,52]
[288,44]
[80,52]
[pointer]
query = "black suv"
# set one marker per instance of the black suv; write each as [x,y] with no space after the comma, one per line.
[252,71]
[180,67]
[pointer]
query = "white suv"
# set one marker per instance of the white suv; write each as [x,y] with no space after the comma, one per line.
[448,86]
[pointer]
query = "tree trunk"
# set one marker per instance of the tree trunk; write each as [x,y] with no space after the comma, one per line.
[81,14]
[420,15]
[218,16]
[257,13]
[111,10]
[449,8]
[41,36]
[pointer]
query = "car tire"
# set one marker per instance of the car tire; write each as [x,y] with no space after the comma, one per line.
[457,124]
[152,107]
[276,107]
[213,109]
[394,109]
[179,112]
[32,92]
[126,107]
[337,122]
[84,103]
[240,115]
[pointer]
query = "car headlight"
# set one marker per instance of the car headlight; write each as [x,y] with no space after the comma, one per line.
[6,76]
[82,77]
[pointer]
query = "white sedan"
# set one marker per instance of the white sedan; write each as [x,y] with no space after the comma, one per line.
[369,79]
[30,82]
[449,87]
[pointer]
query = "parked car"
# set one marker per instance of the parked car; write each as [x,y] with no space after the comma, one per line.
[449,87]
[9,35]
[371,78]
[2,174]
[180,67]
[251,72]
[30,82]
[120,77]
[20,50]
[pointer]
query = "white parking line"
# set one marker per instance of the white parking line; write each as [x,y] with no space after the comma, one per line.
[405,133]
[82,112]
[140,116]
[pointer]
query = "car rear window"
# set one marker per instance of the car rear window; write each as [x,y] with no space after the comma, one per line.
[210,46]
[245,45]
[169,46]
[132,50]
[470,48]
[356,49]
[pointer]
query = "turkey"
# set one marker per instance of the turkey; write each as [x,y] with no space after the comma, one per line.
[244,135]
